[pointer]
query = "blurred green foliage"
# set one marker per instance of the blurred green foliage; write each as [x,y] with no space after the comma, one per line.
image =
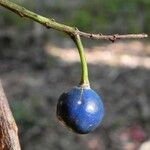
[82,19]
[10,19]
[113,16]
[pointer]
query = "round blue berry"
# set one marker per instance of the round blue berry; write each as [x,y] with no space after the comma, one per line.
[80,109]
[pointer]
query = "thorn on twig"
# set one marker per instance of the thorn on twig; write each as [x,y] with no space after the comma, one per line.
[100,34]
[47,25]
[113,38]
[91,35]
[20,14]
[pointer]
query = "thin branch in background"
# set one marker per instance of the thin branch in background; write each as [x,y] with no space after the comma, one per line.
[51,23]
[112,38]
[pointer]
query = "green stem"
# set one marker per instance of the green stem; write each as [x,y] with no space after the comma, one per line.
[84,69]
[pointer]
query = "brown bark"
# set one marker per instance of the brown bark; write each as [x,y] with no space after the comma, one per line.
[8,129]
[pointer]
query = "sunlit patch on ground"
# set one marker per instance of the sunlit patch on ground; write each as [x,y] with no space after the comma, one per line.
[132,54]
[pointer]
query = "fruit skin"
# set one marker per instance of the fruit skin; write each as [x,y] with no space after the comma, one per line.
[80,109]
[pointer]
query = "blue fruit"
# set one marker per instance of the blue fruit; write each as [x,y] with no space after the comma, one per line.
[80,109]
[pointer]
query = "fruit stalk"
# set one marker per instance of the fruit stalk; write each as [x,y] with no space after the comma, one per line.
[84,69]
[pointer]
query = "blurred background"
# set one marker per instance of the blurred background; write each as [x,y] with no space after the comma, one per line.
[37,65]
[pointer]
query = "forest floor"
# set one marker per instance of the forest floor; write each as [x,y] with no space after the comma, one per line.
[34,77]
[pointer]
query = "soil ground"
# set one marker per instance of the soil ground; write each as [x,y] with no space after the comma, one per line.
[34,77]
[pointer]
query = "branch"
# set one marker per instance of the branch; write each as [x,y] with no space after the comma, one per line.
[8,129]
[51,23]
